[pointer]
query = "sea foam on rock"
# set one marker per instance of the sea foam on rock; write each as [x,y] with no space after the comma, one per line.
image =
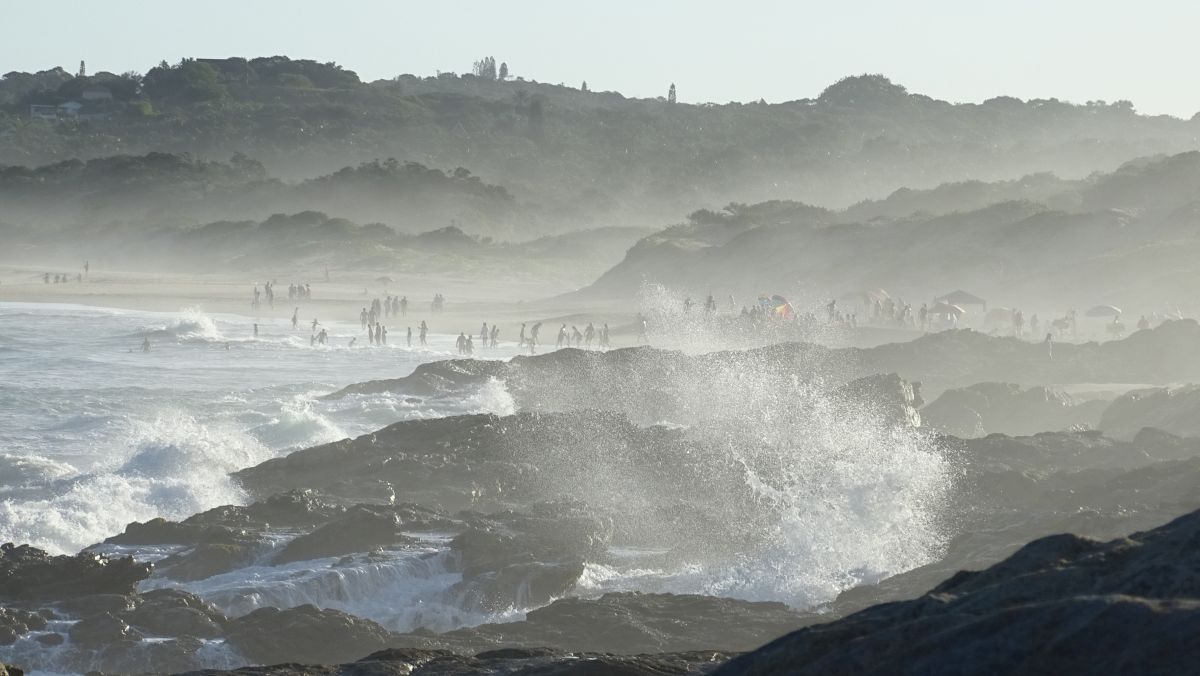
[1062,604]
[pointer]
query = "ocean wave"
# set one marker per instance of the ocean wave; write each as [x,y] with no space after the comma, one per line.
[176,467]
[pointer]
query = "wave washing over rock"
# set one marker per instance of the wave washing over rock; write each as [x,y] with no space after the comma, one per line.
[639,511]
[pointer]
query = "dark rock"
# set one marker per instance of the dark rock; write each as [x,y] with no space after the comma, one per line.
[101,630]
[208,559]
[290,509]
[15,622]
[304,634]
[29,573]
[987,408]
[1175,410]
[405,662]
[9,670]
[162,532]
[171,612]
[95,604]
[631,380]
[633,623]
[361,529]
[1062,604]
[51,640]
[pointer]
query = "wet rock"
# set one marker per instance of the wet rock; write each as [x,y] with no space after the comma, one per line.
[208,559]
[304,634]
[895,400]
[633,623]
[8,670]
[403,662]
[95,604]
[987,408]
[289,509]
[103,629]
[171,612]
[361,529]
[1062,604]
[51,640]
[15,622]
[163,532]
[30,573]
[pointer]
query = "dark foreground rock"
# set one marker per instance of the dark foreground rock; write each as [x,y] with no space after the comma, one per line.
[305,634]
[631,622]
[1062,604]
[10,671]
[533,662]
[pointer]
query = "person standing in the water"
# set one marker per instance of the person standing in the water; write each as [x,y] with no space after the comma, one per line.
[521,340]
[410,336]
[562,337]
[424,332]
[403,306]
[495,335]
[383,336]
[483,335]
[256,330]
[146,344]
[295,318]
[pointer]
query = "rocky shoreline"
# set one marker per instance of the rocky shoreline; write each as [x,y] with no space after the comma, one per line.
[522,510]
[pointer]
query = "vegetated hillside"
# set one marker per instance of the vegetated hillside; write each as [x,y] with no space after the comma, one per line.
[313,239]
[159,188]
[573,151]
[1127,236]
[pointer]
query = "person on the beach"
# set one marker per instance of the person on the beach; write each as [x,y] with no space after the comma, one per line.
[588,334]
[483,335]
[403,306]
[424,331]
[562,337]
[362,318]
[461,343]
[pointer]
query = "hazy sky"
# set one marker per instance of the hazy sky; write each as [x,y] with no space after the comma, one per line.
[960,50]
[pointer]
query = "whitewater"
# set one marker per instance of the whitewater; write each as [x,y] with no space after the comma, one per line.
[95,434]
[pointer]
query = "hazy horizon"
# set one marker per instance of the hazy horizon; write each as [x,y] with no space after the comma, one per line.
[711,52]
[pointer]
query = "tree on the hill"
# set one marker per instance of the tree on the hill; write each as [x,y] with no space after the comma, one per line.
[504,71]
[671,94]
[486,68]
[584,86]
[82,69]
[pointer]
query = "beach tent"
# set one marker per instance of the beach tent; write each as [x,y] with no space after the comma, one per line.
[961,298]
[1104,311]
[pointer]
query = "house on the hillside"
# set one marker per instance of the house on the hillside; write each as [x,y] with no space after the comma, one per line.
[72,110]
[43,112]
